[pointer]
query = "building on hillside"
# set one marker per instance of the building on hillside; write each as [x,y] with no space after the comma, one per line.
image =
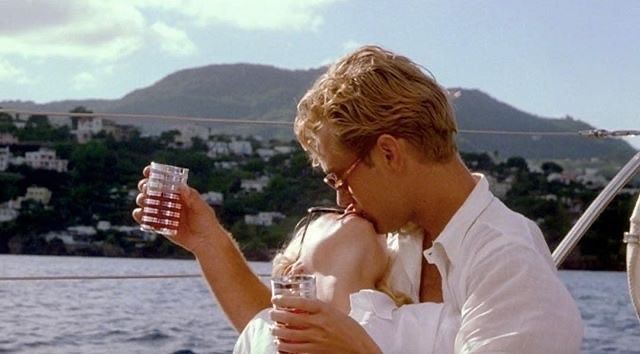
[82,233]
[283,149]
[187,133]
[88,127]
[103,225]
[254,185]
[562,178]
[592,179]
[263,218]
[7,213]
[5,157]
[66,238]
[266,154]
[499,189]
[45,159]
[8,139]
[117,131]
[226,165]
[38,194]
[213,198]
[19,123]
[241,147]
[59,122]
[217,149]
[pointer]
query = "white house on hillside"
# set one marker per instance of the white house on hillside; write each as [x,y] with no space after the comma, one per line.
[87,128]
[254,185]
[7,213]
[217,148]
[592,179]
[241,147]
[213,198]
[187,133]
[266,154]
[263,218]
[45,159]
[8,139]
[5,157]
[283,149]
[39,194]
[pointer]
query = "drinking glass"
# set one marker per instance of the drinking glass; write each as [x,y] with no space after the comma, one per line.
[162,205]
[303,285]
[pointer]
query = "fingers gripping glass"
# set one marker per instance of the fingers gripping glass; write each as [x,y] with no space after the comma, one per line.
[336,182]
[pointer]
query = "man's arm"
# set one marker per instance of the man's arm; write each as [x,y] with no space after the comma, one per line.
[239,291]
[516,303]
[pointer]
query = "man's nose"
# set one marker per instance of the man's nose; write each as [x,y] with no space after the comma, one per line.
[343,197]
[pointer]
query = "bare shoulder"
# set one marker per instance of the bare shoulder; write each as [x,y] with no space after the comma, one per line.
[346,244]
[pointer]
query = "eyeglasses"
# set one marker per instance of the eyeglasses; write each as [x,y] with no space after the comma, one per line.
[336,182]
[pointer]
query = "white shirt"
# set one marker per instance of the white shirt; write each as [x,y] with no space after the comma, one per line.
[500,288]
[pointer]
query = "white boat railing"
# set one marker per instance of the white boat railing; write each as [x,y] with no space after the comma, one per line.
[633,264]
[594,210]
[631,238]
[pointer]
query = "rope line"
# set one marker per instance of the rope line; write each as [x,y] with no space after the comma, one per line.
[149,116]
[597,133]
[107,277]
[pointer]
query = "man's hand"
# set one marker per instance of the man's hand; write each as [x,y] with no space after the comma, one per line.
[316,327]
[198,221]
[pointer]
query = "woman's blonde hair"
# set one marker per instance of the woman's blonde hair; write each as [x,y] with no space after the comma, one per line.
[371,92]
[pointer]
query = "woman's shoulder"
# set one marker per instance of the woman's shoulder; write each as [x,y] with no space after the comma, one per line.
[349,231]
[349,240]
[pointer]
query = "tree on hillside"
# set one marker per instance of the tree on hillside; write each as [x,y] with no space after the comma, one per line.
[551,167]
[38,121]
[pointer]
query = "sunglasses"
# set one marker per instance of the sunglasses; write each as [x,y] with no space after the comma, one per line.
[312,214]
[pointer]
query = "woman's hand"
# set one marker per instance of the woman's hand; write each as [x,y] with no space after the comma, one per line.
[316,327]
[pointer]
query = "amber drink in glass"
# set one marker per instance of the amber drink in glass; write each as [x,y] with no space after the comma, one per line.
[162,205]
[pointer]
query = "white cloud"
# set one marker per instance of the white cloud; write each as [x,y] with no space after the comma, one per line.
[351,45]
[110,30]
[10,73]
[247,14]
[73,29]
[83,81]
[173,40]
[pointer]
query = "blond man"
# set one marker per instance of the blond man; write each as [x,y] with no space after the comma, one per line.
[385,134]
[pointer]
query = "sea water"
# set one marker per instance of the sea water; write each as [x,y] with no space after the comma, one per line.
[181,316]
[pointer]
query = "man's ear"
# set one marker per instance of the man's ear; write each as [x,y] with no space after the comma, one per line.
[391,151]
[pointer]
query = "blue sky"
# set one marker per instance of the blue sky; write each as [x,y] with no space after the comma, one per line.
[549,58]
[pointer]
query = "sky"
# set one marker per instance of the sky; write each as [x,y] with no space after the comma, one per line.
[549,58]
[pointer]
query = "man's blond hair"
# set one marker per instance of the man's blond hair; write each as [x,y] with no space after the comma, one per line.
[371,92]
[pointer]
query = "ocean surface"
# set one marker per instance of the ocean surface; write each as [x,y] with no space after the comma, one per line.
[181,316]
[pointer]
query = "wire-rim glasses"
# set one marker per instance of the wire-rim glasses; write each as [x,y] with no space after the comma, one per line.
[336,182]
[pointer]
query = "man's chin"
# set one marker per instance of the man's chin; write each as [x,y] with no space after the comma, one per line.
[351,210]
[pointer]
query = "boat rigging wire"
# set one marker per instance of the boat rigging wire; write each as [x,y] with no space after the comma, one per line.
[108,277]
[595,133]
